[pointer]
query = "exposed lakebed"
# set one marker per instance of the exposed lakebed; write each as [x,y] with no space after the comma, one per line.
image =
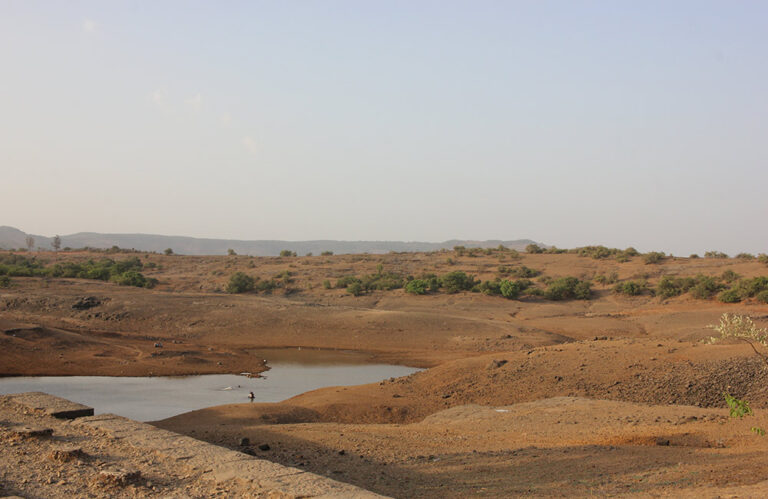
[292,371]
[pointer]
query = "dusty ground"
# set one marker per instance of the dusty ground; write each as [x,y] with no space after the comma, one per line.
[444,431]
[75,461]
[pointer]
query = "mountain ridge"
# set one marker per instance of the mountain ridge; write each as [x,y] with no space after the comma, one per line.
[12,238]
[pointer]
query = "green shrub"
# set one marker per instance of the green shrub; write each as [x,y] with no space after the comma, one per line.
[607,279]
[266,285]
[326,253]
[231,252]
[383,281]
[453,282]
[597,252]
[534,248]
[745,256]
[355,289]
[512,289]
[762,258]
[133,278]
[630,288]
[669,287]
[522,271]
[631,252]
[327,284]
[715,254]
[729,276]
[417,287]
[488,287]
[566,288]
[705,287]
[240,282]
[168,251]
[554,250]
[693,256]
[433,283]
[287,253]
[345,281]
[762,296]
[5,281]
[653,257]
[729,296]
[747,288]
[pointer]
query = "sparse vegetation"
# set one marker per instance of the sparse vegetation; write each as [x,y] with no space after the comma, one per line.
[123,272]
[5,281]
[286,252]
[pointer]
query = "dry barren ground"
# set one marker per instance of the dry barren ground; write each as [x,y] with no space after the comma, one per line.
[614,395]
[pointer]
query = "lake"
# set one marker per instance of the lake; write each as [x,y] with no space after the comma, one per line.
[292,371]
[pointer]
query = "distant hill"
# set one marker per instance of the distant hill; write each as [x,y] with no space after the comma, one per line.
[12,238]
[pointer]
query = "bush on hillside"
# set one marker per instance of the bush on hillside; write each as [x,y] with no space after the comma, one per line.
[534,248]
[715,254]
[417,287]
[512,289]
[453,282]
[669,286]
[521,271]
[568,288]
[240,282]
[653,257]
[705,287]
[133,278]
[630,288]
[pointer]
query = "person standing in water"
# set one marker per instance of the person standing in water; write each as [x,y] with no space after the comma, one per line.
[251,396]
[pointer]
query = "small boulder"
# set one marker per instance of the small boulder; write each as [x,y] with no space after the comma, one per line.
[118,478]
[264,447]
[67,454]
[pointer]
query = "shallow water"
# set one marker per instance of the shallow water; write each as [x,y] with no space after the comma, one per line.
[148,399]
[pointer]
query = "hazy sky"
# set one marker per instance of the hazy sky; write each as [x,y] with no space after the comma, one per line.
[572,122]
